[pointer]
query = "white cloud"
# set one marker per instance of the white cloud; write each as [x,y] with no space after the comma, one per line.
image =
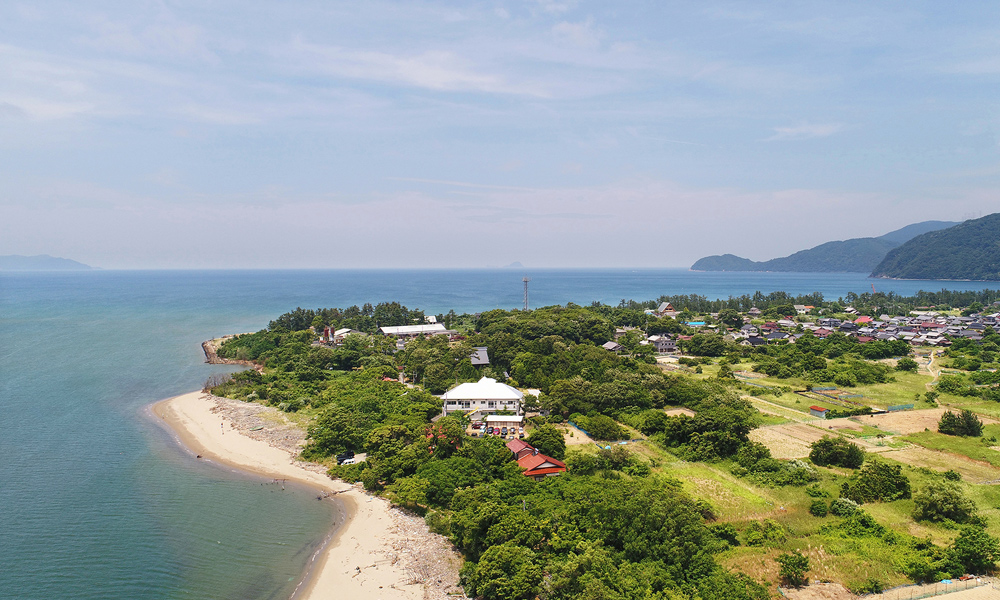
[431,69]
[579,34]
[806,131]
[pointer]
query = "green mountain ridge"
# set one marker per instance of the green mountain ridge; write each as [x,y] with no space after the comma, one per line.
[858,255]
[969,250]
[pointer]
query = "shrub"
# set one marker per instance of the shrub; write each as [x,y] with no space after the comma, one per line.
[941,501]
[974,550]
[876,481]
[906,364]
[761,533]
[965,424]
[818,508]
[952,475]
[836,451]
[815,492]
[794,567]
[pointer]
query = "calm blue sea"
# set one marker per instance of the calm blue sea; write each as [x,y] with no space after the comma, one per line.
[97,501]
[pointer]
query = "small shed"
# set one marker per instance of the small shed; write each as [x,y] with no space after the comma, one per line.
[508,421]
[818,411]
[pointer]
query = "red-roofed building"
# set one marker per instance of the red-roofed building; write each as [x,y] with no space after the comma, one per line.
[539,466]
[862,320]
[818,411]
[520,448]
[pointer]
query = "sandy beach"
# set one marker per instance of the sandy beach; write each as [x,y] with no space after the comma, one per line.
[380,552]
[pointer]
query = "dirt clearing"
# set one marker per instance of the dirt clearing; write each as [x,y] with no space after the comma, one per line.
[573,436]
[676,412]
[909,421]
[788,441]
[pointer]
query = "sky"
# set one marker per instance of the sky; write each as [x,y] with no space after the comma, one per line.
[556,133]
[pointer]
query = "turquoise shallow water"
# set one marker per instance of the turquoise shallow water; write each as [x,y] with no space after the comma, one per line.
[97,501]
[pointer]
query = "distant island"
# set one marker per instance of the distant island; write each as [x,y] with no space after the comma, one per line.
[41,262]
[858,255]
[969,250]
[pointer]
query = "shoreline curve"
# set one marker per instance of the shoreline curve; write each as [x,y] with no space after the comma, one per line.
[361,556]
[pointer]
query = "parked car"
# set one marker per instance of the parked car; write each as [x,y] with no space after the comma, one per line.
[503,431]
[349,461]
[343,456]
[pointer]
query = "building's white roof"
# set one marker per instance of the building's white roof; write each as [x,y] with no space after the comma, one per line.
[503,418]
[413,329]
[344,331]
[484,389]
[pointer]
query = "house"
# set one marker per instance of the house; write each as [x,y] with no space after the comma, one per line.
[612,346]
[479,357]
[520,448]
[753,341]
[484,396]
[663,343]
[754,312]
[818,411]
[538,466]
[332,336]
[664,308]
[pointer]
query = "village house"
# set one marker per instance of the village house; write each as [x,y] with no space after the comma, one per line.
[520,448]
[538,466]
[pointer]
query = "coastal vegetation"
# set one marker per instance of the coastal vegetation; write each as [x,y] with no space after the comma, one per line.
[695,505]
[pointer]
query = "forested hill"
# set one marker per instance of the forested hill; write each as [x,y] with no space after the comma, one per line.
[966,251]
[859,255]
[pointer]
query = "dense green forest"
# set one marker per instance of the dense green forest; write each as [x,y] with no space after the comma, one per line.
[966,251]
[616,525]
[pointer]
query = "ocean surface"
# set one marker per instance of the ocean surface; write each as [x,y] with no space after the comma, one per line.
[97,500]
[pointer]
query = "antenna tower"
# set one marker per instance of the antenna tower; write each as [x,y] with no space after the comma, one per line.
[526,280]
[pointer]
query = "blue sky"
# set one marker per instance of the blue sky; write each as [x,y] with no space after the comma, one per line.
[219,134]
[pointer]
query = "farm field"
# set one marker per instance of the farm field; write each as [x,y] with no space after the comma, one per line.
[971,470]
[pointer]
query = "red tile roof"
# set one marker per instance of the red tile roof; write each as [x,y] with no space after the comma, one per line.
[818,408]
[539,464]
[516,446]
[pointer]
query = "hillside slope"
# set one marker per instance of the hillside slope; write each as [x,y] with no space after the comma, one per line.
[42,262]
[858,255]
[970,250]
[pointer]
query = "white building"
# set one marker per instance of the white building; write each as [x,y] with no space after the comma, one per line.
[414,330]
[484,396]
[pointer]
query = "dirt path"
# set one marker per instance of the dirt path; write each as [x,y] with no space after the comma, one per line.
[776,409]
[930,369]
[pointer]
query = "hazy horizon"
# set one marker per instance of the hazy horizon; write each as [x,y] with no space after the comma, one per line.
[556,133]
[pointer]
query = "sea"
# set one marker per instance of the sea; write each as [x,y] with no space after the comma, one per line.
[98,500]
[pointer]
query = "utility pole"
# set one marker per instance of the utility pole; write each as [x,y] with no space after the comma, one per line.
[526,280]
